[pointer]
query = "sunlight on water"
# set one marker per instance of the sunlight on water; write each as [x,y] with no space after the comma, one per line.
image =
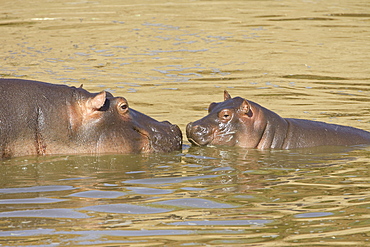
[262,196]
[170,60]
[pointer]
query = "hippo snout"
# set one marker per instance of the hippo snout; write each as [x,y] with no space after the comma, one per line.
[198,134]
[166,138]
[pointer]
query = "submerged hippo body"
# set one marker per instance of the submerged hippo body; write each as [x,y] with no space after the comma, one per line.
[238,122]
[38,118]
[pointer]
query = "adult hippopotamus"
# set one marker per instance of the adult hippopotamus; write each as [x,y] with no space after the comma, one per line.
[238,122]
[38,118]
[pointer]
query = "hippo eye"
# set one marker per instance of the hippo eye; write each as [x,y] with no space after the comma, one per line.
[123,107]
[225,115]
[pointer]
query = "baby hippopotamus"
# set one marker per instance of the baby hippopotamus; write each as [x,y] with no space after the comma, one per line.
[238,122]
[38,118]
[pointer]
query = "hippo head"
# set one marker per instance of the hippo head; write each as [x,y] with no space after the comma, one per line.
[229,123]
[111,126]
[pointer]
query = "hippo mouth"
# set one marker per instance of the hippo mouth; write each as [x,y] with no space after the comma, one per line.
[192,141]
[146,145]
[199,143]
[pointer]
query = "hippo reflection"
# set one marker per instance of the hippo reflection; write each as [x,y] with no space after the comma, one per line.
[238,122]
[38,118]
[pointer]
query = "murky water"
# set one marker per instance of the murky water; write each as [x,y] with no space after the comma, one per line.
[303,59]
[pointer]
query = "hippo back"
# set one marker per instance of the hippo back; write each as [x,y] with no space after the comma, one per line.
[32,111]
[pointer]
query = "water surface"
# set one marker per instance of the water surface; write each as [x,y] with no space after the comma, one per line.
[302,59]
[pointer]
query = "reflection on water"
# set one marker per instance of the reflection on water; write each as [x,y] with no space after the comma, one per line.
[301,59]
[208,195]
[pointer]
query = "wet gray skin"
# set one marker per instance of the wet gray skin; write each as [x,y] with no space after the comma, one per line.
[41,118]
[238,122]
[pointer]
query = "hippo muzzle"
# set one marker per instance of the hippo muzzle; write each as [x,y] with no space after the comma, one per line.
[199,135]
[165,137]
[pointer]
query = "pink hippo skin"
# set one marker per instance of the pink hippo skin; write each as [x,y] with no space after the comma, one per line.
[238,122]
[38,118]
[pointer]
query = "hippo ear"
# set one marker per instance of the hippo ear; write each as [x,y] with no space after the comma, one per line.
[96,102]
[226,95]
[245,107]
[211,106]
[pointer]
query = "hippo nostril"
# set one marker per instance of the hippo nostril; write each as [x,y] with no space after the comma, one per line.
[175,127]
[200,130]
[195,130]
